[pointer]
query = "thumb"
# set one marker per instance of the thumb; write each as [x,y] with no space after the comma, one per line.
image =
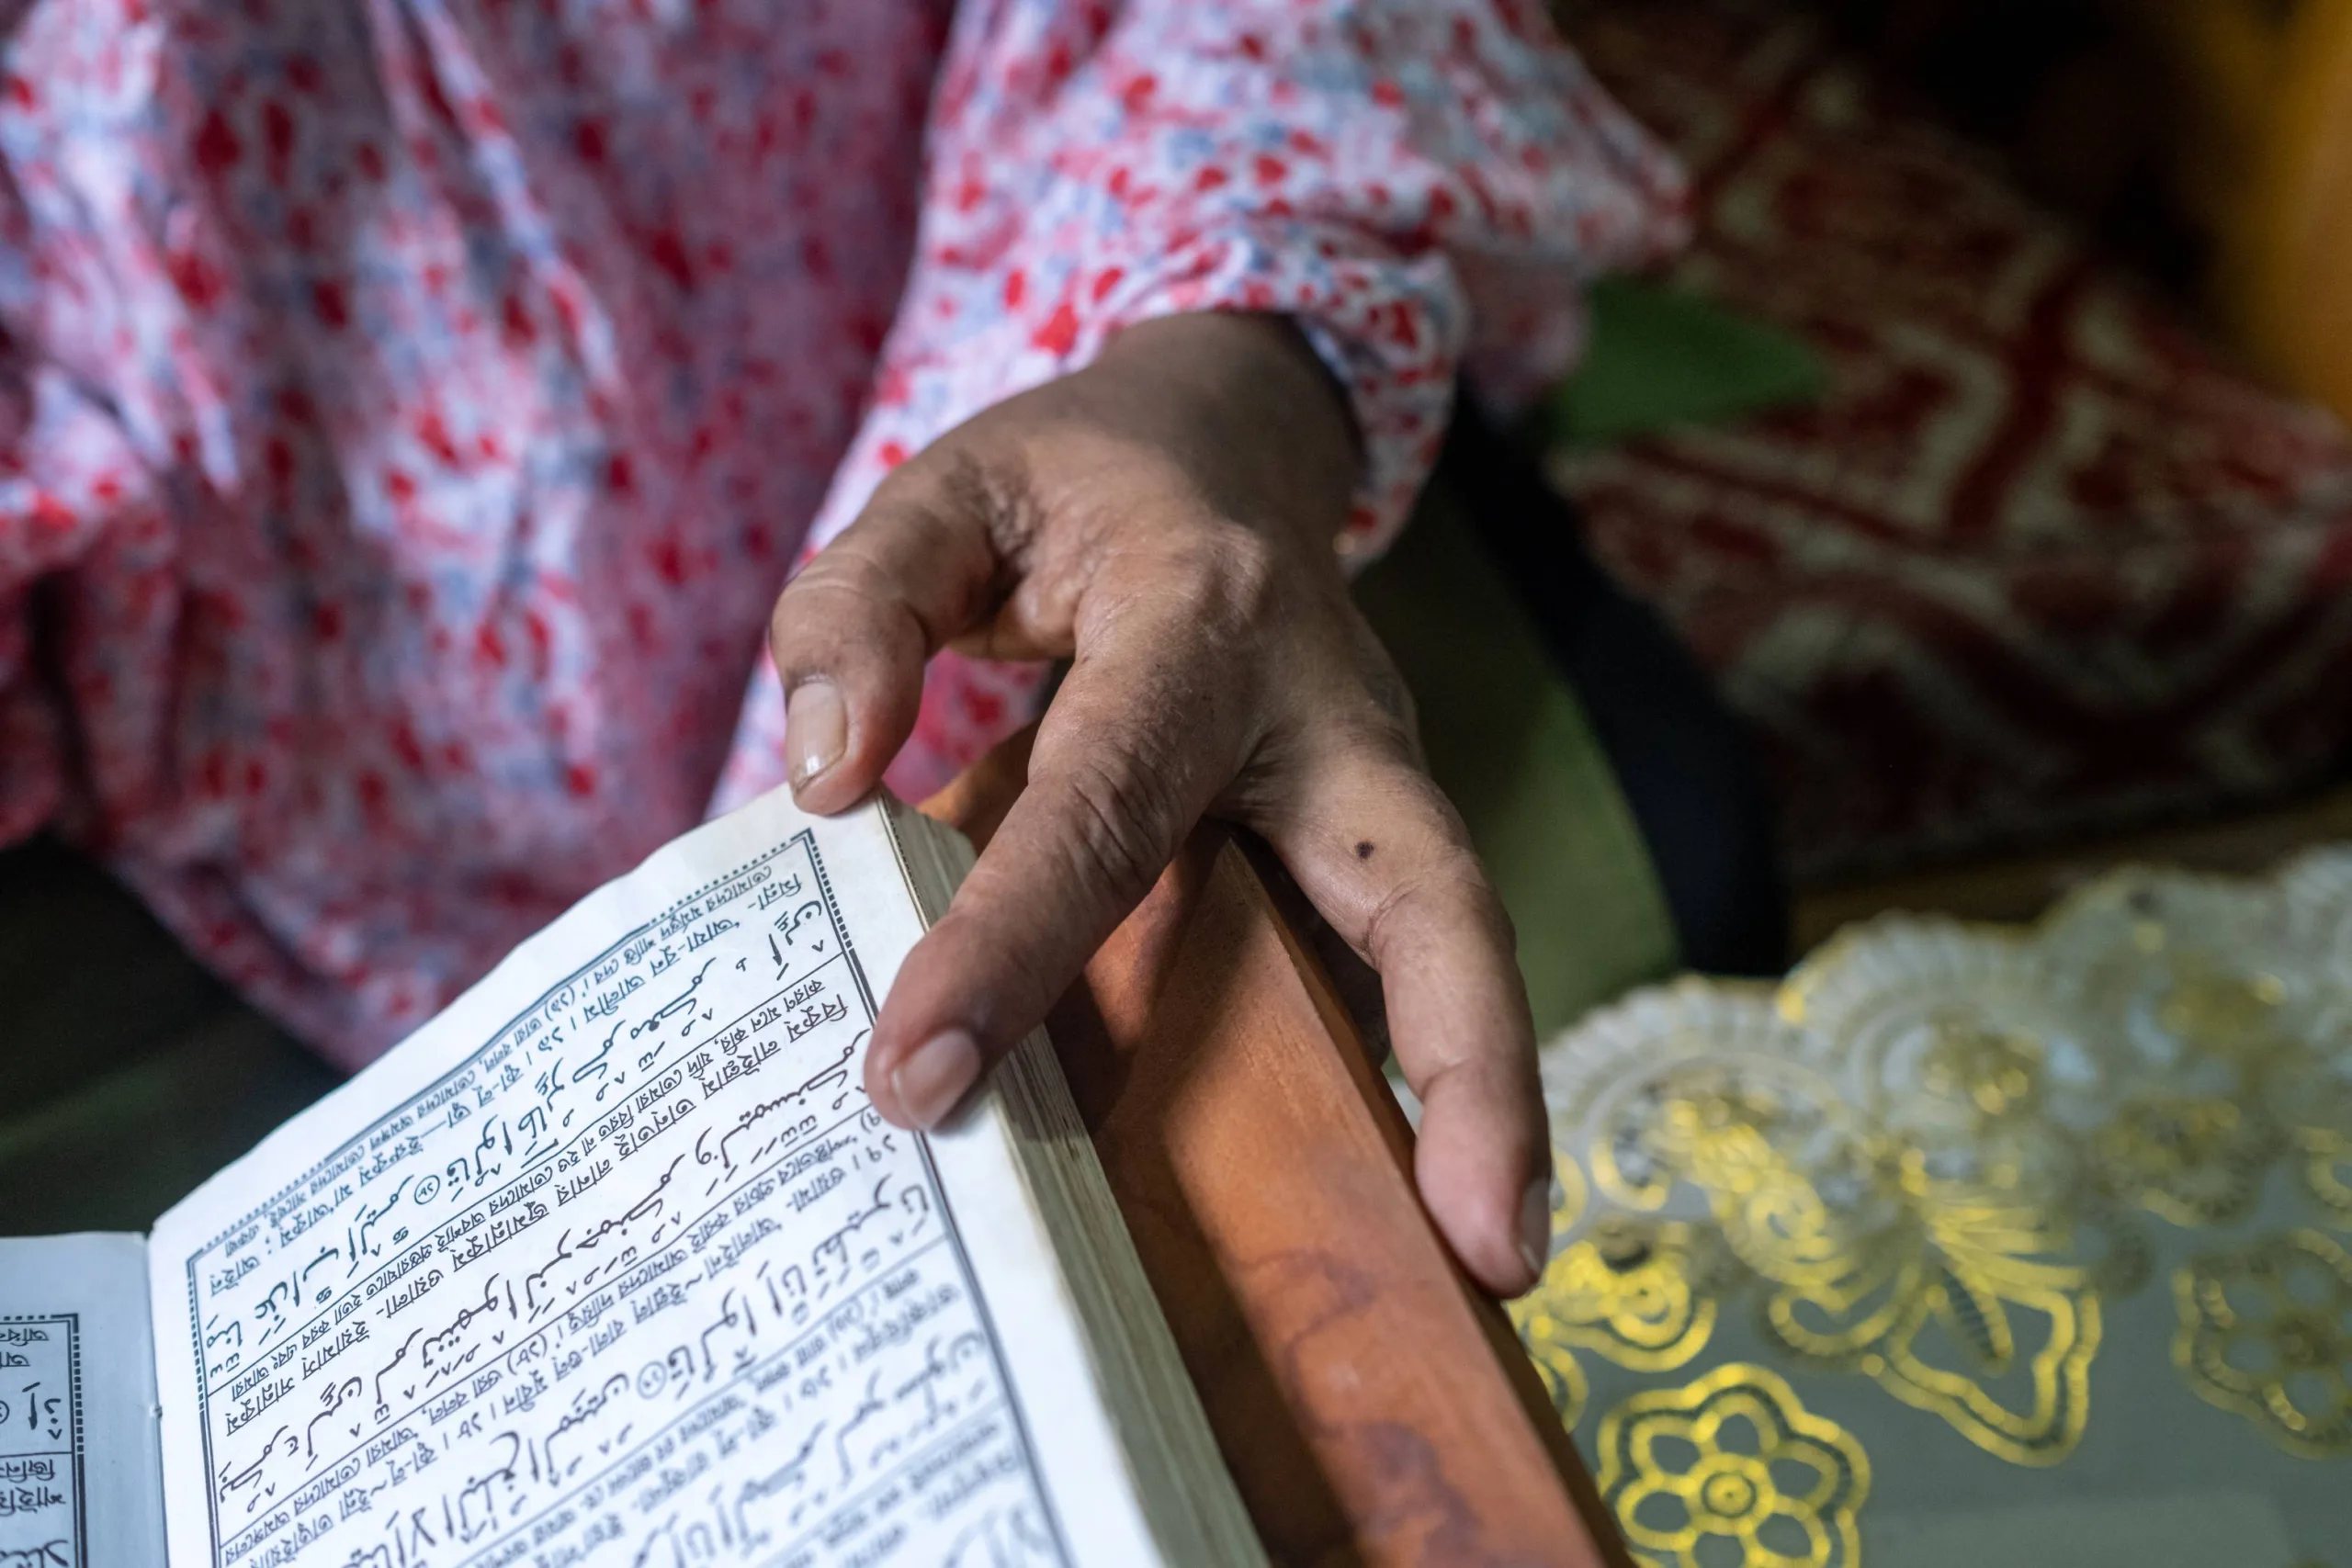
[851,632]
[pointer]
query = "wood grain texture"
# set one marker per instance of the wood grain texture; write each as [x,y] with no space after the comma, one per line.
[1373,1406]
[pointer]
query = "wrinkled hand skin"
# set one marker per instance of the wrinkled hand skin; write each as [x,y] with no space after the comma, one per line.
[1164,519]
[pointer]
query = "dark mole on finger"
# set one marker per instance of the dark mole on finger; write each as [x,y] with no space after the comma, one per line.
[1364,849]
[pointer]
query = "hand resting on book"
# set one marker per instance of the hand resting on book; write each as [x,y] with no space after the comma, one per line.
[1164,519]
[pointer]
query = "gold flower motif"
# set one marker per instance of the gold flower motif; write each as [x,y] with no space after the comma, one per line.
[1558,1367]
[2193,1159]
[2312,1098]
[1733,1462]
[2217,1011]
[1998,1072]
[1629,1290]
[1632,1290]
[2267,1331]
[1928,1159]
[2327,1173]
[1938,1257]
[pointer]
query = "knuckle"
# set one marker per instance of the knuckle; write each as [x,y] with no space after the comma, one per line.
[1226,575]
[1383,682]
[1013,974]
[1451,891]
[1367,733]
[1120,816]
[836,577]
[994,488]
[843,600]
[1251,568]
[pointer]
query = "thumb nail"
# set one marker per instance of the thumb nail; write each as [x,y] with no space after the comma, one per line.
[816,729]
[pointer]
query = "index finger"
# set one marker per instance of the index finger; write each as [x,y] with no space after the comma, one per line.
[1130,755]
[1376,847]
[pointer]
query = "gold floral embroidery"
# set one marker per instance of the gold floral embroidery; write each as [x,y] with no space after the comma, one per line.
[1996,1071]
[1944,1266]
[2267,1331]
[2218,1010]
[1630,1292]
[1736,1458]
[2173,977]
[1633,1291]
[1928,1157]
[2193,1160]
[1556,1365]
[2327,1173]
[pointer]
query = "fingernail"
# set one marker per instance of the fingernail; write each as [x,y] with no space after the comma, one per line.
[935,1075]
[816,729]
[1535,1226]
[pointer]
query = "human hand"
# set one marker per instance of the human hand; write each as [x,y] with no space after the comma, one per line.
[1164,519]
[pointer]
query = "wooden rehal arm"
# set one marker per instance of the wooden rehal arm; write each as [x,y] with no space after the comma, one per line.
[1374,1407]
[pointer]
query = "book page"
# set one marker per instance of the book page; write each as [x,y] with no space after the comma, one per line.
[614,1264]
[81,1483]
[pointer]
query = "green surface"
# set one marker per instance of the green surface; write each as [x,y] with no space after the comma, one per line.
[1508,740]
[1661,356]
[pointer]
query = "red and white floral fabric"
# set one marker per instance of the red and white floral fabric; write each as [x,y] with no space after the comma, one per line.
[2040,561]
[409,409]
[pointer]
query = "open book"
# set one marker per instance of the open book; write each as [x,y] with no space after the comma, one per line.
[612,1263]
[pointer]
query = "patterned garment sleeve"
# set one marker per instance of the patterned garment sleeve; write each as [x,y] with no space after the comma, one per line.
[83,536]
[1413,181]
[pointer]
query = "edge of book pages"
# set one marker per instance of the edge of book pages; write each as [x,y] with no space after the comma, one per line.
[1150,1399]
[1126,1455]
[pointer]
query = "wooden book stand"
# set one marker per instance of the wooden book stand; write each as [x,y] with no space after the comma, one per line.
[1374,1407]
